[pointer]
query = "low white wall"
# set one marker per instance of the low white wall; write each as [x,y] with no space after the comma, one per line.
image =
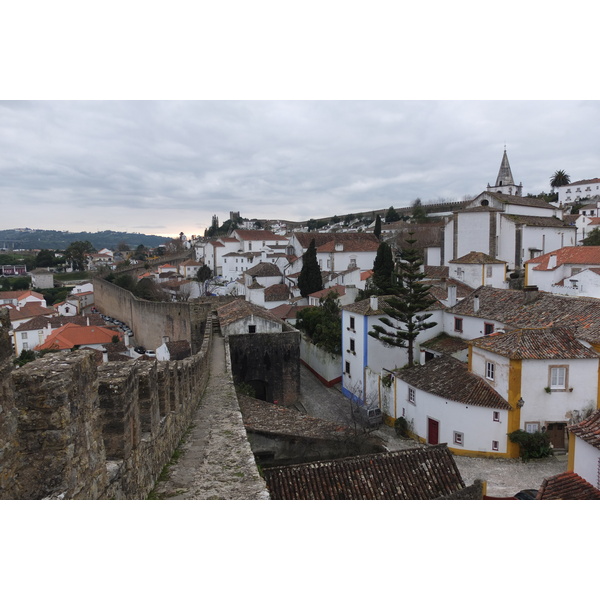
[327,367]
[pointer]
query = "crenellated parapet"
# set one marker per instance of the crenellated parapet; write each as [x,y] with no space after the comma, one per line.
[72,429]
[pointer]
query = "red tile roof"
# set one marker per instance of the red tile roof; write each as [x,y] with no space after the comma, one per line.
[550,343]
[251,235]
[71,335]
[424,473]
[569,255]
[477,258]
[588,430]
[567,486]
[451,379]
[340,290]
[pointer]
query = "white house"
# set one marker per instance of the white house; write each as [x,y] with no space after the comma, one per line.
[554,271]
[547,376]
[335,251]
[578,190]
[241,317]
[477,268]
[445,403]
[363,354]
[42,279]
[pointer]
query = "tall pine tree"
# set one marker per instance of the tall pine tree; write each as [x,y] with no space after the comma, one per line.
[310,279]
[405,310]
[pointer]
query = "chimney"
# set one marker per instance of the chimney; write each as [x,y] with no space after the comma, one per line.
[88,321]
[126,339]
[451,295]
[373,303]
[165,339]
[476,304]
[530,294]
[105,355]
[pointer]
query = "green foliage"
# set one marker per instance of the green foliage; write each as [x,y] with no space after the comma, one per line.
[45,258]
[323,324]
[559,179]
[310,279]
[392,215]
[54,295]
[532,445]
[419,214]
[25,357]
[125,281]
[377,230]
[592,239]
[402,427]
[383,270]
[406,316]
[245,389]
[76,254]
[20,283]
[147,289]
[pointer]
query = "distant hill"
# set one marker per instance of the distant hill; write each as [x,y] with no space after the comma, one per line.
[14,239]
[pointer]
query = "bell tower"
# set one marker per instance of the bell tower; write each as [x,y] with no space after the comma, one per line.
[505,183]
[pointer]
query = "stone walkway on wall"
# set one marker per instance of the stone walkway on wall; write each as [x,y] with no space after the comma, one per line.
[216,461]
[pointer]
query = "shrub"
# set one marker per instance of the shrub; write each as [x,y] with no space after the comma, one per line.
[402,427]
[532,445]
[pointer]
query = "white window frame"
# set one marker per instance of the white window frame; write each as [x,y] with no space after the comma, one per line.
[495,446]
[558,376]
[412,396]
[490,370]
[459,438]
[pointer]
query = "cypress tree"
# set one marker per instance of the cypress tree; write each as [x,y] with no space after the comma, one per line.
[383,269]
[407,306]
[377,230]
[310,279]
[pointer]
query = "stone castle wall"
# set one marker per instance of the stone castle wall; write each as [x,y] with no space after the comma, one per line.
[150,321]
[270,359]
[71,429]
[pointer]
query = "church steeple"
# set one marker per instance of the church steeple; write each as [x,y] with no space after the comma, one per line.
[504,174]
[505,184]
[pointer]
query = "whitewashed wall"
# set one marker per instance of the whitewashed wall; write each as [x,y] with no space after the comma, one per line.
[327,366]
[587,462]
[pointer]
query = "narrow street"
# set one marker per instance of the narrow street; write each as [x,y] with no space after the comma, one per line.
[505,477]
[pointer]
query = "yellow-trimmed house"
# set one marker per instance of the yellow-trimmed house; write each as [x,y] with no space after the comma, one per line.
[444,403]
[548,377]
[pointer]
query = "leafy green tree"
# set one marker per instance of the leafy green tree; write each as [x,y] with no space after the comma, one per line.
[392,215]
[147,289]
[311,224]
[383,270]
[310,279]
[203,275]
[44,259]
[140,253]
[377,230]
[25,357]
[125,281]
[20,283]
[419,214]
[76,253]
[323,323]
[593,238]
[405,312]
[559,179]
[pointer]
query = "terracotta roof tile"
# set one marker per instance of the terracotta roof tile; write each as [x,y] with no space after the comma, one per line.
[277,292]
[240,309]
[424,473]
[567,486]
[451,379]
[576,255]
[71,335]
[588,430]
[550,343]
[477,258]
[535,221]
[264,269]
[518,309]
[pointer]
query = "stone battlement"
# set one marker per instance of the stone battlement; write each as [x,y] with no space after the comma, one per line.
[72,429]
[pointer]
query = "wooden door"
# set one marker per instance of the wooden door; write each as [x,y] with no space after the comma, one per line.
[556,433]
[433,431]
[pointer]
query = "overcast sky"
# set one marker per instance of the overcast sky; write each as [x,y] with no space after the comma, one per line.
[164,167]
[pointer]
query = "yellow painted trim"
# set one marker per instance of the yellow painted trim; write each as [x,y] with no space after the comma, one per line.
[526,275]
[482,274]
[479,453]
[514,394]
[571,457]
[470,359]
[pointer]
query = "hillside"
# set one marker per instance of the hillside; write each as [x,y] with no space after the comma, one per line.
[14,239]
